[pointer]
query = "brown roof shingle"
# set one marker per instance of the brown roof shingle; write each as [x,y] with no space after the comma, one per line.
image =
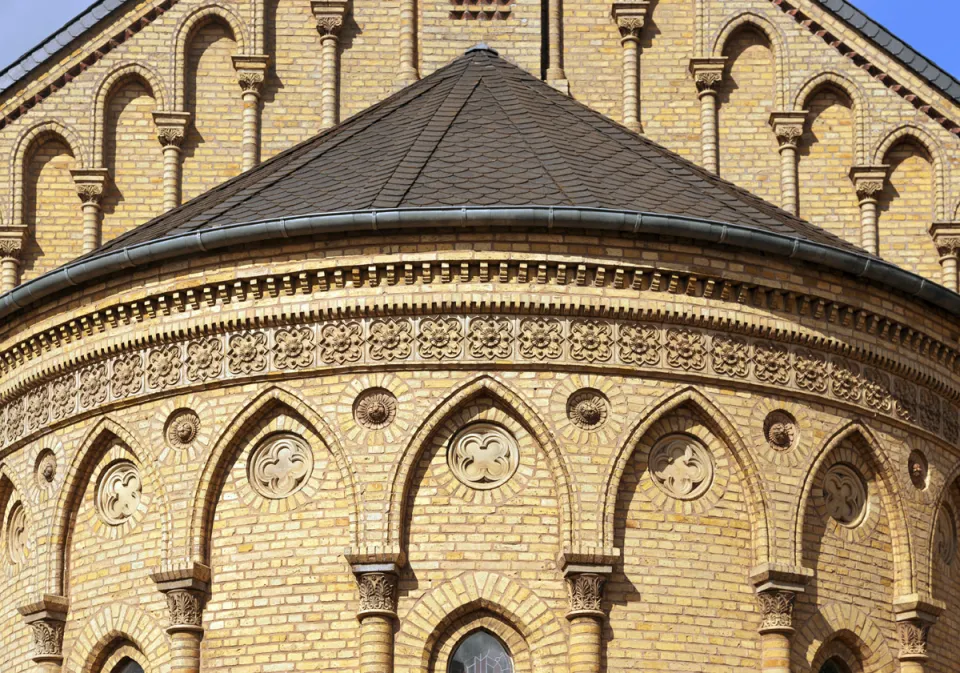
[478,132]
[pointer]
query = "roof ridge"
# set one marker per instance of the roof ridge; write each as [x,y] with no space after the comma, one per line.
[458,96]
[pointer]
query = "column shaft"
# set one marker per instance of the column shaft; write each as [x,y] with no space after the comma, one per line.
[554,61]
[949,278]
[171,177]
[185,650]
[9,267]
[708,130]
[868,226]
[631,96]
[408,42]
[251,130]
[585,631]
[329,58]
[775,652]
[788,179]
[912,667]
[91,226]
[376,644]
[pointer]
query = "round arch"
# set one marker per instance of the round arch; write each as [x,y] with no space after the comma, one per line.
[849,625]
[904,575]
[79,472]
[483,385]
[853,91]
[127,71]
[447,604]
[188,25]
[724,430]
[213,474]
[49,128]
[122,629]
[933,148]
[777,44]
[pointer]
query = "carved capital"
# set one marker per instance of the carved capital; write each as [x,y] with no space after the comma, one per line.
[251,72]
[915,617]
[10,248]
[585,590]
[90,183]
[186,589]
[329,15]
[46,617]
[946,236]
[868,180]
[788,127]
[776,607]
[171,127]
[378,593]
[707,74]
[185,609]
[630,18]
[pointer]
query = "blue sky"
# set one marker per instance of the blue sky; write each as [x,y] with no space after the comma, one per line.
[929,26]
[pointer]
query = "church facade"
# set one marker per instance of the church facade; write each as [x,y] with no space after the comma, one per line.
[479,338]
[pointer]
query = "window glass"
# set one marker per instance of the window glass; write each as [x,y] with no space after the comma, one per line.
[480,652]
[127,666]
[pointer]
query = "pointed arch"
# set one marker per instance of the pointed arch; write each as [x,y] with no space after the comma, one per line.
[77,480]
[114,626]
[188,25]
[774,36]
[484,385]
[890,497]
[129,70]
[226,447]
[721,427]
[510,600]
[933,148]
[853,91]
[48,128]
[849,625]
[929,561]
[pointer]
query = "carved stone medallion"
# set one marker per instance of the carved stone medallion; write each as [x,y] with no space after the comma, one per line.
[918,468]
[280,465]
[118,494]
[46,470]
[483,456]
[588,408]
[375,408]
[182,428]
[780,429]
[845,495]
[17,535]
[681,467]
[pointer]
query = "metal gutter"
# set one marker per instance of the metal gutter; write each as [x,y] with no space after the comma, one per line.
[97,267]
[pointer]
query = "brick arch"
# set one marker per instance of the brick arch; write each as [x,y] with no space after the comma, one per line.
[724,430]
[851,626]
[120,75]
[119,625]
[890,498]
[225,451]
[49,128]
[933,148]
[766,27]
[77,480]
[853,91]
[447,604]
[184,33]
[929,561]
[512,403]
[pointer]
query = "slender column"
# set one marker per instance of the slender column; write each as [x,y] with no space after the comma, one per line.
[708,73]
[90,184]
[555,75]
[9,263]
[47,618]
[630,18]
[330,15]
[585,588]
[251,73]
[788,127]
[869,182]
[186,591]
[776,589]
[171,131]
[946,236]
[377,583]
[408,42]
[915,618]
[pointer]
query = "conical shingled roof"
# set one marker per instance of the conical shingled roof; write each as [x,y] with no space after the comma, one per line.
[478,132]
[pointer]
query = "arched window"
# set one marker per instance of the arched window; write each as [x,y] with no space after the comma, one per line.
[480,652]
[127,665]
[834,665]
